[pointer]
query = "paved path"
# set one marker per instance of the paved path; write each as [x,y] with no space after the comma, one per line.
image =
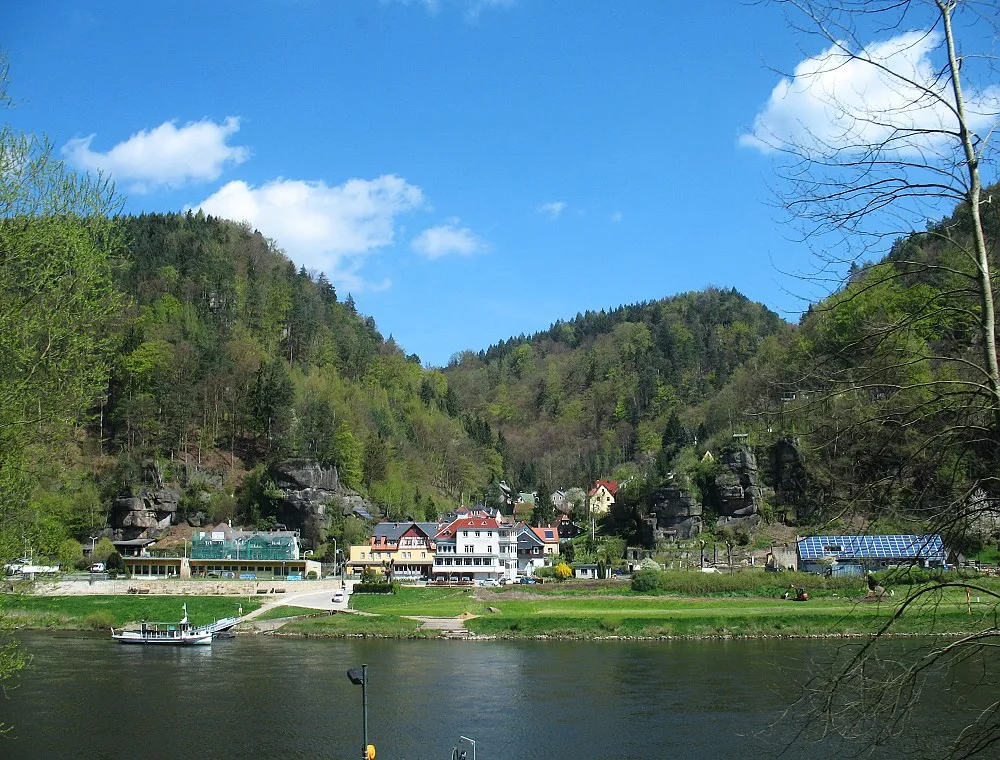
[313,600]
[449,627]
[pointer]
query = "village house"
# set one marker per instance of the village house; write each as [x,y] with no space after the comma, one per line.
[536,547]
[403,549]
[475,548]
[601,497]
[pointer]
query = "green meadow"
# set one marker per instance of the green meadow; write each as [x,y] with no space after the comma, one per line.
[96,613]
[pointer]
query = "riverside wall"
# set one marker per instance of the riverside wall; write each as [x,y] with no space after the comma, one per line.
[180,587]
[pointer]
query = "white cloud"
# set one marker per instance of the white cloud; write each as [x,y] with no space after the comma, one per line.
[322,227]
[166,155]
[835,101]
[554,209]
[616,217]
[436,242]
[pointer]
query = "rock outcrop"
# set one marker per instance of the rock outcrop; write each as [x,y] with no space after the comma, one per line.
[309,490]
[674,513]
[145,513]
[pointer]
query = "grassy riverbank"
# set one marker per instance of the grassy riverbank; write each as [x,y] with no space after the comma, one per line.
[578,611]
[93,613]
[691,604]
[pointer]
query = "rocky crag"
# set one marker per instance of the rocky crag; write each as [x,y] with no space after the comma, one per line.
[309,491]
[736,496]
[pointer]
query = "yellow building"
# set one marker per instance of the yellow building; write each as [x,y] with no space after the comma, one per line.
[405,549]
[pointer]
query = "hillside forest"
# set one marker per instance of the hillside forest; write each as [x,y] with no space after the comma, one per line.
[191,347]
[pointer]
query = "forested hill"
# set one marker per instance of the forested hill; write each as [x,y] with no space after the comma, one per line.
[227,349]
[600,391]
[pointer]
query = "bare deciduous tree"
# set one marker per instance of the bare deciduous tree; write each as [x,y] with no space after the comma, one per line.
[888,126]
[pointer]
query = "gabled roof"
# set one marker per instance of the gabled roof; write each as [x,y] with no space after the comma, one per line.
[547,535]
[467,523]
[393,531]
[611,485]
[872,547]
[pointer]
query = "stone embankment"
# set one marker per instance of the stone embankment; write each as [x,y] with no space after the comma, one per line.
[178,587]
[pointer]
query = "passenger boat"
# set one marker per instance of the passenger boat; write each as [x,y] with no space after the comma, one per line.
[182,633]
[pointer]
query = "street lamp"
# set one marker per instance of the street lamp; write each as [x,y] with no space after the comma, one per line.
[461,755]
[359,677]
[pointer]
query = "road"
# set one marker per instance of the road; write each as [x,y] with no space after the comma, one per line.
[313,600]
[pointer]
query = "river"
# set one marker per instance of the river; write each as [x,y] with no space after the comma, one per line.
[268,697]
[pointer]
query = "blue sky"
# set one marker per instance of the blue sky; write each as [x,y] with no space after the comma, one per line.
[468,169]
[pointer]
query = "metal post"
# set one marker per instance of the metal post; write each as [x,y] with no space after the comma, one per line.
[360,678]
[364,711]
[470,741]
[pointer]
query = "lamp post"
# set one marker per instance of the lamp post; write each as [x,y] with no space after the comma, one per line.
[360,678]
[702,552]
[470,741]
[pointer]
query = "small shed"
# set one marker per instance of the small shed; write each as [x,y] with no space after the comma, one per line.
[585,570]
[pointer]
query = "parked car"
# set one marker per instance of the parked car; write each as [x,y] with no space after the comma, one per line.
[339,597]
[97,567]
[490,582]
[528,580]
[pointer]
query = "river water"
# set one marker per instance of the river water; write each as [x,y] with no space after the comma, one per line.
[268,697]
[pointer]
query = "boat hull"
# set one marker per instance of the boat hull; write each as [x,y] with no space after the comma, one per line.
[134,637]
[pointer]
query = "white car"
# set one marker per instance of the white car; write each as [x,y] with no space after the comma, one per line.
[339,597]
[490,582]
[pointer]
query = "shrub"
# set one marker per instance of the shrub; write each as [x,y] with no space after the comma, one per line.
[646,579]
[374,588]
[311,575]
[100,620]
[563,571]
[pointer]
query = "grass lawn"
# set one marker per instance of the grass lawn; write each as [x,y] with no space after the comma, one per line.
[522,611]
[386,626]
[103,612]
[538,612]
[286,611]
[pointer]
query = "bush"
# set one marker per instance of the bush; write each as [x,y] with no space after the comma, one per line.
[563,571]
[645,580]
[311,575]
[374,588]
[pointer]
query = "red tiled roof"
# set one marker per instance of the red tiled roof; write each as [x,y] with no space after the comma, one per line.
[540,532]
[467,523]
[611,485]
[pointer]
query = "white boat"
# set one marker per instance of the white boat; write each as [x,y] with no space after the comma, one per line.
[182,633]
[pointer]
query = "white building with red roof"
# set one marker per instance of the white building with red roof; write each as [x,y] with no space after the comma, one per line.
[475,547]
[602,496]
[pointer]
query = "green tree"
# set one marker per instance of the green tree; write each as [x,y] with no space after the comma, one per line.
[349,458]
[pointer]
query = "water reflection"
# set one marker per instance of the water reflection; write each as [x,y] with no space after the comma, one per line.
[261,697]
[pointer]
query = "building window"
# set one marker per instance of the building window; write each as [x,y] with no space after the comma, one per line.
[477,534]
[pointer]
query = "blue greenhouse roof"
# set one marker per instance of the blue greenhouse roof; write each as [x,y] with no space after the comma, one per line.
[872,547]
